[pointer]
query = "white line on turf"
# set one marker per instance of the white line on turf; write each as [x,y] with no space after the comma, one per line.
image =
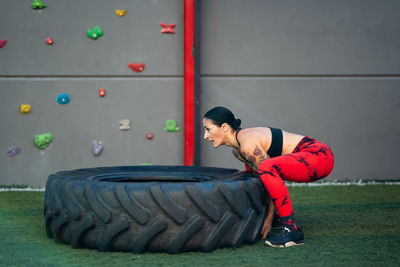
[289,184]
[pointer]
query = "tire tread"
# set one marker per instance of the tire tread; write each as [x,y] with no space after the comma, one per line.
[155,216]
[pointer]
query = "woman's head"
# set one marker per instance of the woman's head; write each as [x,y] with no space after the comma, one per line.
[219,123]
[221,115]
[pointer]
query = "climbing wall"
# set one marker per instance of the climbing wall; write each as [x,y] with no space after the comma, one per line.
[103,78]
[327,69]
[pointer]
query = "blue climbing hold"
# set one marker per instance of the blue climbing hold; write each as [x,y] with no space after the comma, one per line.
[63,98]
[12,151]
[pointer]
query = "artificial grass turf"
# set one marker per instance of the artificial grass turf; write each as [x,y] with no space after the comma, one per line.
[343,225]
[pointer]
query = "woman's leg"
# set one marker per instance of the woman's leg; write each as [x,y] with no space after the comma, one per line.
[312,161]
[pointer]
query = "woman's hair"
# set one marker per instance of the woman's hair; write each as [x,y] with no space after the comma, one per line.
[221,115]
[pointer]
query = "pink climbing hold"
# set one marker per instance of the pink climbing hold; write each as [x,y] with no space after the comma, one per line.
[168,28]
[3,43]
[137,67]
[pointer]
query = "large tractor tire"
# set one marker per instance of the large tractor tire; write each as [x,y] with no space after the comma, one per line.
[154,208]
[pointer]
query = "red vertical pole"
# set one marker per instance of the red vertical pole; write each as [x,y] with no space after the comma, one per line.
[188,77]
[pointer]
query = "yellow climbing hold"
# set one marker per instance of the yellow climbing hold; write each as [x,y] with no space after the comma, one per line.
[25,109]
[120,12]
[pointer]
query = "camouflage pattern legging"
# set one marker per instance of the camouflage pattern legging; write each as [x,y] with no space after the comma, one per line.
[310,161]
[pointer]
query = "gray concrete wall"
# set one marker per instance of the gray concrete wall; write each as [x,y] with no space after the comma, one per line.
[134,37]
[32,72]
[327,69]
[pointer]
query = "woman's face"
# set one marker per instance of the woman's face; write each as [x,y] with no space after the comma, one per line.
[213,133]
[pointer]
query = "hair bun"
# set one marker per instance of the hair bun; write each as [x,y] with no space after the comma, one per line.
[237,122]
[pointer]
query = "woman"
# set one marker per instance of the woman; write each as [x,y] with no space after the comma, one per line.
[276,156]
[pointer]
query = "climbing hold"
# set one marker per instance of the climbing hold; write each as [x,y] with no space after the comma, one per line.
[12,151]
[124,124]
[49,41]
[3,43]
[168,28]
[146,164]
[102,92]
[38,4]
[137,67]
[43,140]
[97,147]
[120,12]
[63,98]
[149,136]
[171,126]
[25,108]
[95,33]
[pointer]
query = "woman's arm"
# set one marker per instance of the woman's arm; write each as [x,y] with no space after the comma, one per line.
[237,155]
[268,221]
[253,156]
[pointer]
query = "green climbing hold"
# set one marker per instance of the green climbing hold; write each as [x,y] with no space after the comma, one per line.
[95,33]
[38,4]
[43,140]
[171,126]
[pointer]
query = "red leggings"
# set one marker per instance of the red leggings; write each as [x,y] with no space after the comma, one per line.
[310,161]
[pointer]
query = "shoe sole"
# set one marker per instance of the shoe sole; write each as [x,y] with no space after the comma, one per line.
[286,245]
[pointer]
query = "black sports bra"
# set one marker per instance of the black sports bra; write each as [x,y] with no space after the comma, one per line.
[275,148]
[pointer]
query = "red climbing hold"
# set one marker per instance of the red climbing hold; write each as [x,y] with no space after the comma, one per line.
[137,67]
[49,41]
[102,92]
[149,136]
[3,43]
[168,28]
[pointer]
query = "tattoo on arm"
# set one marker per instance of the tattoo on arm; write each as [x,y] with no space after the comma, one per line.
[237,155]
[251,158]
[256,157]
[258,153]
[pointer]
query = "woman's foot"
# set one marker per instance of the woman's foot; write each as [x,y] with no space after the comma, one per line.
[287,238]
[291,234]
[276,222]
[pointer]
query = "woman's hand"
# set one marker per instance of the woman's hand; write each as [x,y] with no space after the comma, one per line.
[266,228]
[268,220]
